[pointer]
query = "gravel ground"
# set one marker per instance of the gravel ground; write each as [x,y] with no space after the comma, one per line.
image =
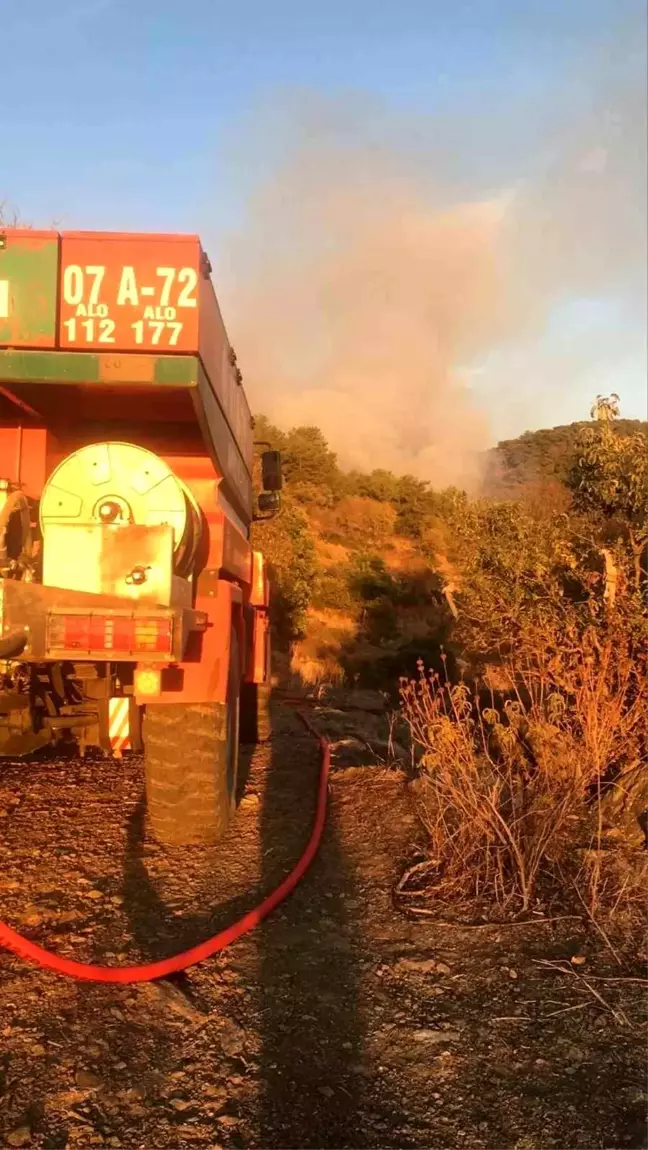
[338,1023]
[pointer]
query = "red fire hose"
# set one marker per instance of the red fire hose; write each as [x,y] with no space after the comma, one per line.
[147,972]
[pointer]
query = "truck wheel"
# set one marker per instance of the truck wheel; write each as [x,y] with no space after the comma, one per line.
[256,716]
[191,764]
[256,722]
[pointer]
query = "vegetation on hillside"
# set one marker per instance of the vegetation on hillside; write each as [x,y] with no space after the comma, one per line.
[411,567]
[541,457]
[515,624]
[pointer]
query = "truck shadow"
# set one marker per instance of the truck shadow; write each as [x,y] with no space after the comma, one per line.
[306,1034]
[312,1031]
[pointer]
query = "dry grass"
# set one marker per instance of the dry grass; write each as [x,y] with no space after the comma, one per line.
[541,788]
[315,659]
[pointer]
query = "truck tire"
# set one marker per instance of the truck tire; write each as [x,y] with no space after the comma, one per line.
[256,721]
[191,764]
[256,715]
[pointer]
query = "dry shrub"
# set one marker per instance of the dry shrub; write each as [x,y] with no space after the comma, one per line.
[315,658]
[529,790]
[358,520]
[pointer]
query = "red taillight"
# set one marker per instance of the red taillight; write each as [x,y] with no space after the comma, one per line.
[110,634]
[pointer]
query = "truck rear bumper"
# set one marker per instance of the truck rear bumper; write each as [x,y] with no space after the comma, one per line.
[42,624]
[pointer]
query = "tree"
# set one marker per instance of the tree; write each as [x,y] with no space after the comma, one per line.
[379,484]
[515,573]
[539,457]
[605,408]
[609,479]
[266,432]
[308,458]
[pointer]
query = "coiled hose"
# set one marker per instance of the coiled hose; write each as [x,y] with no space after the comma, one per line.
[147,972]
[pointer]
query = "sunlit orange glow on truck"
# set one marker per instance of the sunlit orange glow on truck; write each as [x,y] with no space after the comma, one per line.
[133,610]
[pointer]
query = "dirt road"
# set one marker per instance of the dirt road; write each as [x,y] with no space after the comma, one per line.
[338,1023]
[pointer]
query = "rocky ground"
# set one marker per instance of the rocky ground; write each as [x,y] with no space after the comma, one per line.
[338,1023]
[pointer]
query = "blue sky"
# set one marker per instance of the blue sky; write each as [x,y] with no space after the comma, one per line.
[133,114]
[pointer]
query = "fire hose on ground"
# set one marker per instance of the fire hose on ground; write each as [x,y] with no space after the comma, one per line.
[147,972]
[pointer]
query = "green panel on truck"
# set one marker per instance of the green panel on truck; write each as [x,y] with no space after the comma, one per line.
[28,288]
[92,367]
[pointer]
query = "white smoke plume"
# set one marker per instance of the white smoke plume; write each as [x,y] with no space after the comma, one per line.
[365,283]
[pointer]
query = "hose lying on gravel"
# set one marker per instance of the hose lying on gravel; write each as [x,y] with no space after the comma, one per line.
[15,942]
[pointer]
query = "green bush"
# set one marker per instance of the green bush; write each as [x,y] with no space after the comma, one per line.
[332,590]
[289,550]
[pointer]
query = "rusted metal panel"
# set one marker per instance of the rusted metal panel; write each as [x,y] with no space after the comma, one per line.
[28,287]
[129,292]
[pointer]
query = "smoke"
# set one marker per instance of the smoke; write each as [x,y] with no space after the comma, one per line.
[355,300]
[367,286]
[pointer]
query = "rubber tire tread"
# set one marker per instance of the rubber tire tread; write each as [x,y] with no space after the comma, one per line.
[188,798]
[256,718]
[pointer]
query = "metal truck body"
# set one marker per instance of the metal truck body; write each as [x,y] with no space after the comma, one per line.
[133,610]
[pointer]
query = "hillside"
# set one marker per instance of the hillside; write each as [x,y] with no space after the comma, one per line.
[368,568]
[541,456]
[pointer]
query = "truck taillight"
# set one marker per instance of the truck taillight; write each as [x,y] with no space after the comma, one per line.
[110,634]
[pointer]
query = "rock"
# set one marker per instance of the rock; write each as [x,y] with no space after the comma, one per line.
[578,960]
[436,1037]
[232,1038]
[87,1080]
[249,802]
[167,995]
[95,894]
[419,965]
[442,968]
[31,917]
[117,900]
[38,1050]
[367,701]
[21,1136]
[179,1103]
[216,1093]
[327,1091]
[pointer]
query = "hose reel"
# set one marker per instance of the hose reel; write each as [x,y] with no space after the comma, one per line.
[115,483]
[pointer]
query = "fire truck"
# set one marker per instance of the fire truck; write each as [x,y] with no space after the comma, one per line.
[133,608]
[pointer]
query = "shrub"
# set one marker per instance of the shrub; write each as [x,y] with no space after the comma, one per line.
[516,795]
[288,547]
[332,591]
